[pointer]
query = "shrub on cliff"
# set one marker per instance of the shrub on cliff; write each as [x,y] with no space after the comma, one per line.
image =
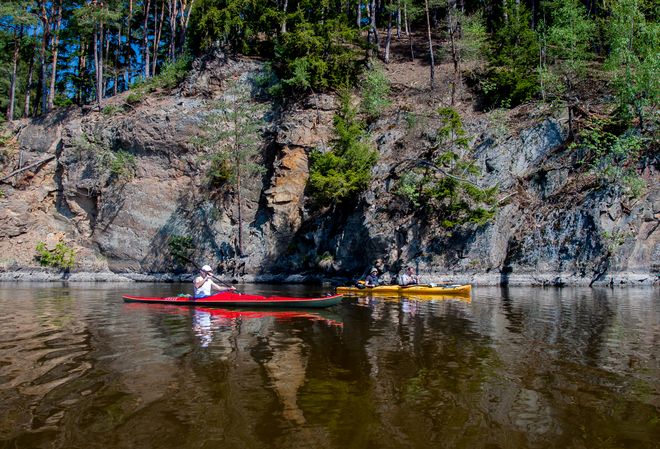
[61,257]
[439,185]
[340,175]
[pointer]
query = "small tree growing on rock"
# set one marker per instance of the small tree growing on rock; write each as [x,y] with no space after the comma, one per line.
[232,139]
[440,182]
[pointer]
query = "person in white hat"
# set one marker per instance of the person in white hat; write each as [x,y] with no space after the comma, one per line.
[204,284]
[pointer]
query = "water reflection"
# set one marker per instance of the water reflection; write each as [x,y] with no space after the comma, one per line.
[516,368]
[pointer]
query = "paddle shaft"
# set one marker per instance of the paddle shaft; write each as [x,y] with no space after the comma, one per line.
[214,277]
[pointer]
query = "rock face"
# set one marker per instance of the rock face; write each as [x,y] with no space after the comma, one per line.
[126,181]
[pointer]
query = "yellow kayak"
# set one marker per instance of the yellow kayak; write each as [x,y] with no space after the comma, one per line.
[409,290]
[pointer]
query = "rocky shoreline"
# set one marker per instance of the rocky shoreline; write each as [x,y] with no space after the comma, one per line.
[628,279]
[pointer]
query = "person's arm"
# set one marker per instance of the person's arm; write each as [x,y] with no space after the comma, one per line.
[199,281]
[221,288]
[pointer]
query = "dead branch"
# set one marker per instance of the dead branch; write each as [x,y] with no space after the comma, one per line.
[27,167]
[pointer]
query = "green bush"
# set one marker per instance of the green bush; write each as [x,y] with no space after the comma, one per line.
[173,73]
[340,175]
[511,77]
[439,187]
[181,248]
[112,109]
[62,101]
[61,257]
[220,171]
[612,152]
[121,164]
[135,97]
[375,91]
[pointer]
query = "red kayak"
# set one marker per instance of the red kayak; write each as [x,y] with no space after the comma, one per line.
[233,299]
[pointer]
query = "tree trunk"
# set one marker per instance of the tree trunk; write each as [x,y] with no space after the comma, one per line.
[453,28]
[55,46]
[96,66]
[82,62]
[428,31]
[105,55]
[359,13]
[408,33]
[373,31]
[398,19]
[41,99]
[12,84]
[185,19]
[145,39]
[388,39]
[173,13]
[157,36]
[129,38]
[115,87]
[28,85]
[286,5]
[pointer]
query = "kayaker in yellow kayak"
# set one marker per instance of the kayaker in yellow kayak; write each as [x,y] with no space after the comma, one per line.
[409,277]
[372,279]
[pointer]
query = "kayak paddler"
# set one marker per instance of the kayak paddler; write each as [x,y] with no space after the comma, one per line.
[409,277]
[204,284]
[372,279]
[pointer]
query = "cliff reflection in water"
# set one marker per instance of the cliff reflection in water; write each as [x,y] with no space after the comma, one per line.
[518,368]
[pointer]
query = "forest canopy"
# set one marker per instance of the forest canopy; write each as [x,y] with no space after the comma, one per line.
[62,52]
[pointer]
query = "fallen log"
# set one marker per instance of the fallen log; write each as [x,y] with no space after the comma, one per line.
[27,167]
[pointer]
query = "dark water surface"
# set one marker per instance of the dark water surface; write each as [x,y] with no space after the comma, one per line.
[516,368]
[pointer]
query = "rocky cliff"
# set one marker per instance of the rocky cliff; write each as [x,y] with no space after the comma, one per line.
[555,222]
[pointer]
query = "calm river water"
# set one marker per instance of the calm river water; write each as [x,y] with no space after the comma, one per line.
[506,368]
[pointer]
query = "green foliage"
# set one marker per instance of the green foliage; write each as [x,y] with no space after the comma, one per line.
[8,144]
[220,170]
[317,55]
[62,101]
[61,256]
[170,76]
[120,165]
[231,137]
[340,175]
[634,59]
[613,240]
[569,36]
[173,73]
[473,44]
[567,43]
[181,248]
[613,154]
[135,97]
[409,187]
[112,109]
[510,78]
[319,50]
[441,186]
[375,91]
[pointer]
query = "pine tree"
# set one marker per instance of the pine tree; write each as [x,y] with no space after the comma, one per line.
[232,138]
[634,59]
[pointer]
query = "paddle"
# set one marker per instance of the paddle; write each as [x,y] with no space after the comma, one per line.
[429,285]
[214,277]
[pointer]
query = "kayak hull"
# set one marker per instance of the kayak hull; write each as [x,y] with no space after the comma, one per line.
[408,290]
[231,299]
